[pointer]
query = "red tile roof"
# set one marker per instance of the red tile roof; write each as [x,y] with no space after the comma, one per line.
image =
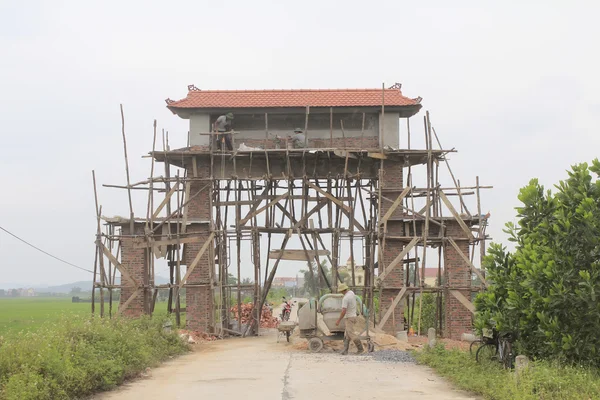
[431,272]
[197,98]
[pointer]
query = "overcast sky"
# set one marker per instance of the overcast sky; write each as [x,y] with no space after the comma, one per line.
[512,86]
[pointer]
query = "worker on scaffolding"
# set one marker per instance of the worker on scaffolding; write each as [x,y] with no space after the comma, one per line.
[223,125]
[349,315]
[298,139]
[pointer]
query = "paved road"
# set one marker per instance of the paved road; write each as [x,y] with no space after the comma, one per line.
[262,369]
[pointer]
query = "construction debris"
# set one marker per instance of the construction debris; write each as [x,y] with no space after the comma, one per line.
[395,356]
[267,320]
[193,337]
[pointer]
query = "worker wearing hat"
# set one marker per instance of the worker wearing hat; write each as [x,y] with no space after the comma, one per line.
[349,316]
[298,139]
[222,125]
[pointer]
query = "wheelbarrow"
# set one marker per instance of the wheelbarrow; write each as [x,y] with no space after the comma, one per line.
[285,328]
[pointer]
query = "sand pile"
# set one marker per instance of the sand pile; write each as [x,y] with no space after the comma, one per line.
[384,342]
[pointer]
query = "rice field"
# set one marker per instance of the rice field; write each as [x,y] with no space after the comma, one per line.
[19,314]
[28,313]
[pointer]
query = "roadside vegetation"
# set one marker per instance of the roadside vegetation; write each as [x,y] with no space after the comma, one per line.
[547,290]
[543,380]
[77,356]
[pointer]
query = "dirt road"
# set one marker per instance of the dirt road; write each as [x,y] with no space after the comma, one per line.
[260,368]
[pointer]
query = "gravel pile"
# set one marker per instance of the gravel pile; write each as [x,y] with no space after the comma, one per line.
[395,356]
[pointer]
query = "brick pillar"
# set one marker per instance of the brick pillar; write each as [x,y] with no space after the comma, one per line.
[133,261]
[457,318]
[199,300]
[392,186]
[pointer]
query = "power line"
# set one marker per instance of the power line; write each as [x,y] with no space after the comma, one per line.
[45,252]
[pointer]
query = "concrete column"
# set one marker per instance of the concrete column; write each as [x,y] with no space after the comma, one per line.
[521,365]
[431,340]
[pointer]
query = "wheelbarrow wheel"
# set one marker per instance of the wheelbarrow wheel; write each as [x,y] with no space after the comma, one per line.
[315,345]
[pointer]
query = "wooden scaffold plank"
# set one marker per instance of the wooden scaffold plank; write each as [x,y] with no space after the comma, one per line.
[455,214]
[297,255]
[392,307]
[469,263]
[398,259]
[117,264]
[463,300]
[194,263]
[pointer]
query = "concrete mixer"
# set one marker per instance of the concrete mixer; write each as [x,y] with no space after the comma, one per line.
[311,314]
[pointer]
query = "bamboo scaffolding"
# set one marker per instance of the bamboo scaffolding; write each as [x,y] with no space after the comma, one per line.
[347,208]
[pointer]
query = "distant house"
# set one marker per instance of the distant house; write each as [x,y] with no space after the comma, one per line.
[26,292]
[359,272]
[288,282]
[431,275]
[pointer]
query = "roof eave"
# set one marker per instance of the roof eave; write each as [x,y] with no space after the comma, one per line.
[406,111]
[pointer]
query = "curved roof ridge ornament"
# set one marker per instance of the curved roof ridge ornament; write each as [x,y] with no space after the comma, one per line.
[193,88]
[396,85]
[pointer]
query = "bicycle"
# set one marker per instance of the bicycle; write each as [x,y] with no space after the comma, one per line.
[474,343]
[497,348]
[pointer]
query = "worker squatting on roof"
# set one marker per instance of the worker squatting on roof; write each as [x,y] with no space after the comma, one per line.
[222,126]
[298,139]
[349,315]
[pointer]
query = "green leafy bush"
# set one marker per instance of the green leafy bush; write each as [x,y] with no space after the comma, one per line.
[77,356]
[428,310]
[547,289]
[543,380]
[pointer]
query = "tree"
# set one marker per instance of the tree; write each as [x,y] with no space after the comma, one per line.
[247,281]
[231,280]
[309,284]
[75,290]
[547,289]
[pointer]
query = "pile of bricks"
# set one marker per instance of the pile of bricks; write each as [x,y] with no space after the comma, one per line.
[267,320]
[196,336]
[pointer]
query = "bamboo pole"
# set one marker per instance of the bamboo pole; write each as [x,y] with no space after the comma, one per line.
[382,127]
[427,216]
[362,132]
[238,211]
[456,184]
[306,127]
[178,267]
[266,130]
[330,126]
[131,223]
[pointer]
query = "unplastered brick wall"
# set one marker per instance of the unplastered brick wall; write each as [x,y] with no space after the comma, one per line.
[199,299]
[392,186]
[133,261]
[458,319]
[200,191]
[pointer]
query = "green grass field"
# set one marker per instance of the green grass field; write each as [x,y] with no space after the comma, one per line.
[28,313]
